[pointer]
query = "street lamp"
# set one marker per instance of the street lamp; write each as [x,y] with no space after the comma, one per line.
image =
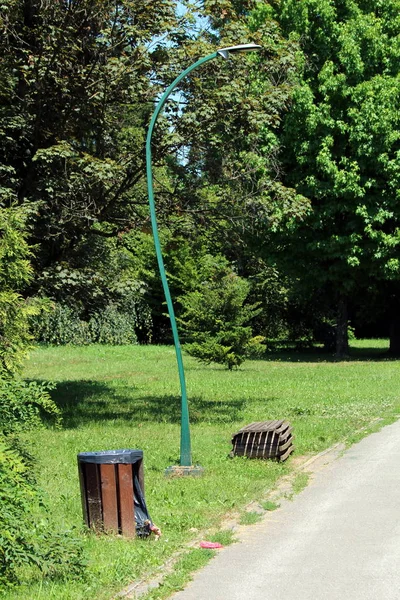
[185,448]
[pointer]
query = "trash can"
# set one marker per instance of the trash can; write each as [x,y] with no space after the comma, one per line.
[112,492]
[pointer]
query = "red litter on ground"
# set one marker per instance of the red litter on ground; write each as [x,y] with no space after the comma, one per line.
[211,545]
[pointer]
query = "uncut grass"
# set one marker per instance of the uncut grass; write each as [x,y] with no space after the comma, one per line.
[128,397]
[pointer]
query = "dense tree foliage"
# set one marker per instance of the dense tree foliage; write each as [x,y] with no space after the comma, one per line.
[77,84]
[284,161]
[226,177]
[76,91]
[229,180]
[341,140]
[15,274]
[215,317]
[24,544]
[78,81]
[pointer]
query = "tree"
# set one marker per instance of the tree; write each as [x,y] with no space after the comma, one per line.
[78,80]
[226,193]
[76,92]
[216,319]
[15,274]
[341,150]
[23,541]
[77,84]
[228,179]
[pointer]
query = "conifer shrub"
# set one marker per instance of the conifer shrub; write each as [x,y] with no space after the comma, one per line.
[15,273]
[28,545]
[17,497]
[215,318]
[23,404]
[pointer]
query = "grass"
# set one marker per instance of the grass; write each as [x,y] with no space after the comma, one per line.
[300,482]
[250,517]
[128,397]
[190,562]
[269,505]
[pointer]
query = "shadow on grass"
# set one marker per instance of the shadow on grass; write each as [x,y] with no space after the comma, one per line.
[318,355]
[84,402]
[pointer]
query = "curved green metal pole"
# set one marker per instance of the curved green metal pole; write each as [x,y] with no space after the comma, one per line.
[186,452]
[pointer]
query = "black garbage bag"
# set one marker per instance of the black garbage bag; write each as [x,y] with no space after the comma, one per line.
[142,517]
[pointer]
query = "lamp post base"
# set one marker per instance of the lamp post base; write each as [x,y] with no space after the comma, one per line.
[183,471]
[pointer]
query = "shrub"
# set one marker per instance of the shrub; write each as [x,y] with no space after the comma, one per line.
[215,317]
[23,541]
[23,404]
[61,554]
[100,276]
[59,326]
[17,497]
[15,274]
[113,327]
[62,325]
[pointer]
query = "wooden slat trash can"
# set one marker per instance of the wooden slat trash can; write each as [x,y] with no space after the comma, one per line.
[112,491]
[264,439]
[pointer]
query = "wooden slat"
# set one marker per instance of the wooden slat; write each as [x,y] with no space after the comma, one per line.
[247,442]
[265,443]
[266,448]
[257,439]
[93,498]
[286,434]
[260,443]
[126,498]
[250,453]
[270,441]
[270,425]
[262,426]
[286,454]
[81,470]
[274,439]
[277,426]
[109,497]
[281,429]
[248,427]
[285,446]
[259,450]
[268,452]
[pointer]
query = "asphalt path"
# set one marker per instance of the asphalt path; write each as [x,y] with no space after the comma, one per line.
[339,539]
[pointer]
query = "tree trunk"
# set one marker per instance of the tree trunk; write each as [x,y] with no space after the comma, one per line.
[394,333]
[342,338]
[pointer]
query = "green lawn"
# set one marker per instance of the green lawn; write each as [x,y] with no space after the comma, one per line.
[128,397]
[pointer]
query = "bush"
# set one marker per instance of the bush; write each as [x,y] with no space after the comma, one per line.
[61,554]
[215,316]
[23,541]
[100,277]
[17,497]
[59,326]
[23,404]
[15,274]
[62,325]
[113,327]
